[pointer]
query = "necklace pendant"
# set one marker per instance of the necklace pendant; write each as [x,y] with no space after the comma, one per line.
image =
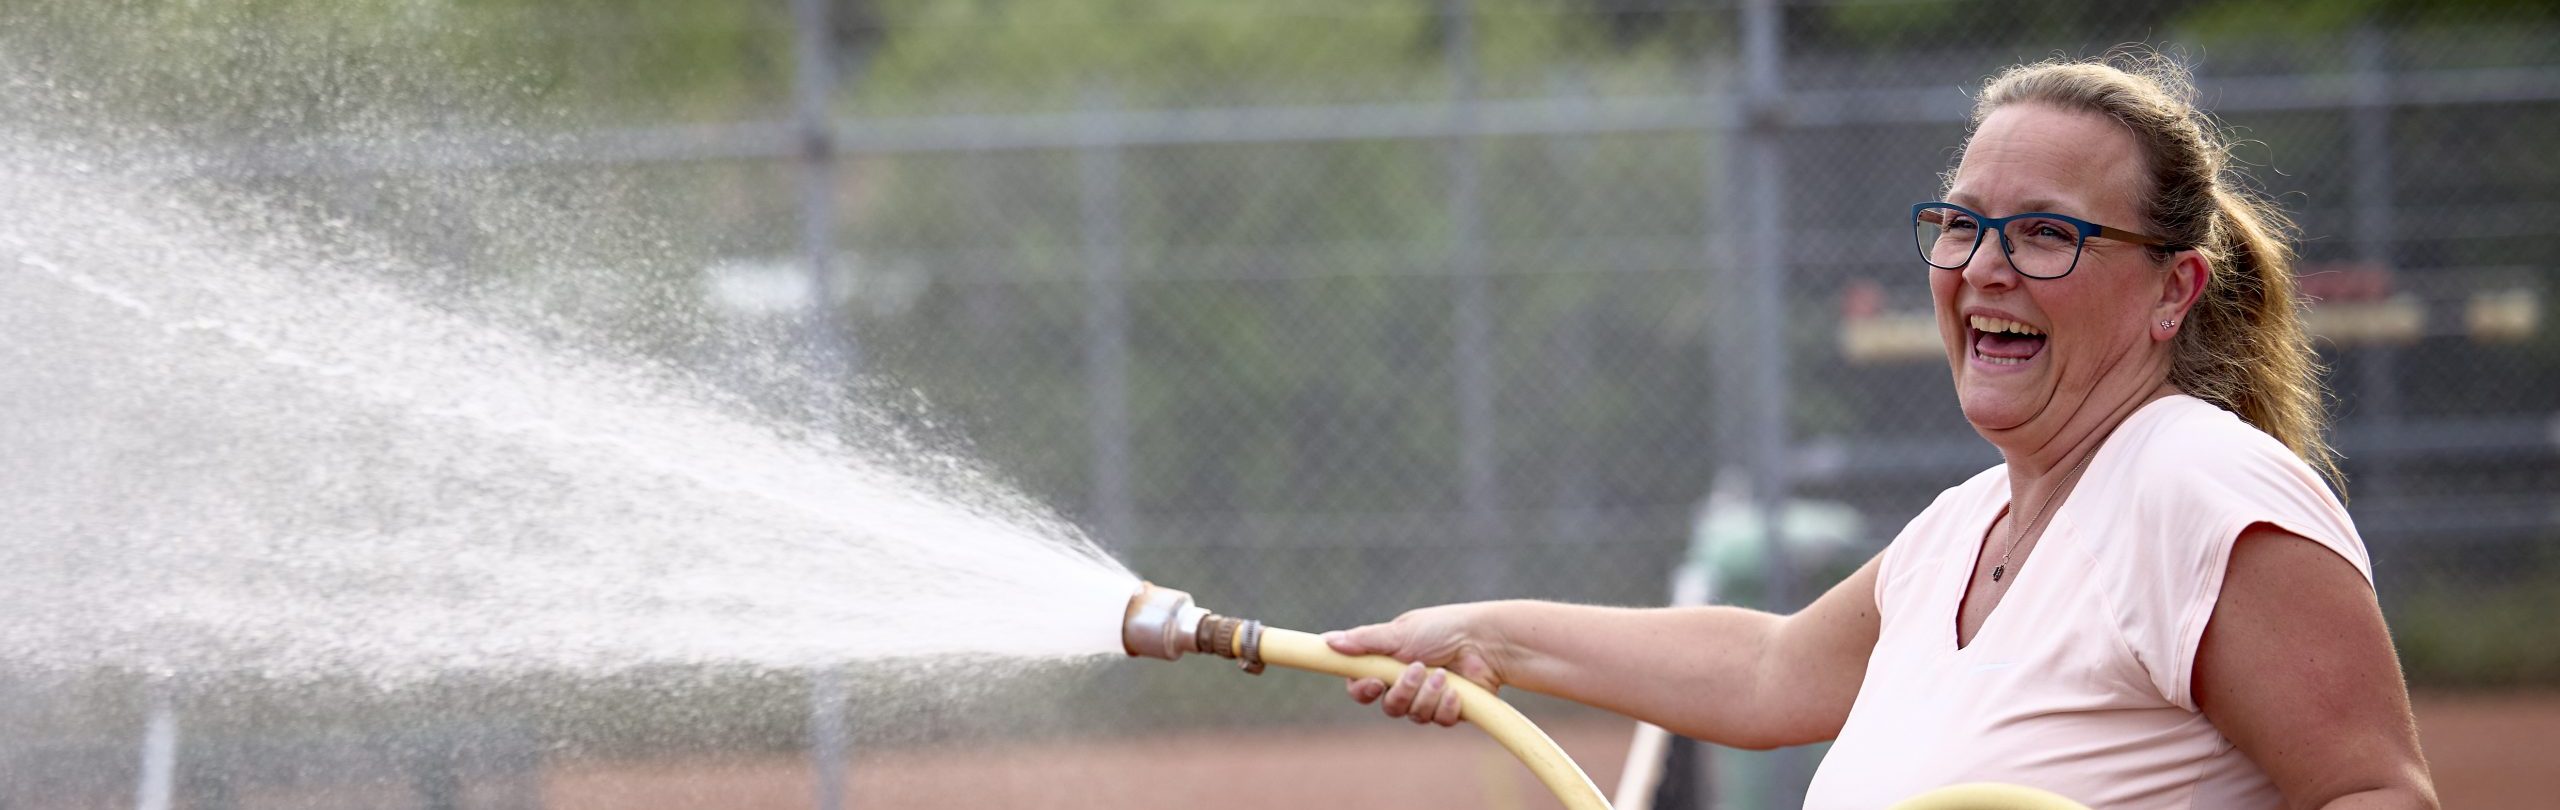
[1997,570]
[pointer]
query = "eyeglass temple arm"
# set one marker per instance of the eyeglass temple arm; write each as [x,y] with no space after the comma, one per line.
[2122,235]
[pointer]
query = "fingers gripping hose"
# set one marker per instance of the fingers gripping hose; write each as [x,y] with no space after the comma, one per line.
[1163,623]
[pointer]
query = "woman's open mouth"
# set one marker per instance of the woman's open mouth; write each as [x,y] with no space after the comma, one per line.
[2003,342]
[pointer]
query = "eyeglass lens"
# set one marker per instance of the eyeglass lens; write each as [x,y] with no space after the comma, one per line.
[2037,247]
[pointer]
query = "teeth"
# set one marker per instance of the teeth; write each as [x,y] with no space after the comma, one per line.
[1990,324]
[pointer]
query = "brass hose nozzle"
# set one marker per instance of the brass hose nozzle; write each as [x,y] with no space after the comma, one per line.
[1163,623]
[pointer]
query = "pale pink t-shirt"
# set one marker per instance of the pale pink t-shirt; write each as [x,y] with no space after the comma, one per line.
[2077,683]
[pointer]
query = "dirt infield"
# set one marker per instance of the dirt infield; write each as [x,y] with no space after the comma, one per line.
[2494,751]
[1387,764]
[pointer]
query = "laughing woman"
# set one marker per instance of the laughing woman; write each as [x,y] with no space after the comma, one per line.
[2156,602]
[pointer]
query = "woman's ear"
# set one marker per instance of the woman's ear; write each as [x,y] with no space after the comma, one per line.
[2179,288]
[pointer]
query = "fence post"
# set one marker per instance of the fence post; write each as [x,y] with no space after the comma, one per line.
[1472,321]
[2369,140]
[1763,172]
[159,750]
[1106,323]
[813,94]
[830,735]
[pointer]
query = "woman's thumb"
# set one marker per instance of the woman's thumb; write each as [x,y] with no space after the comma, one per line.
[1372,639]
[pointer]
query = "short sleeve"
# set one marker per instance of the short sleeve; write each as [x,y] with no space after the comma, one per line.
[1884,572]
[1938,531]
[2204,479]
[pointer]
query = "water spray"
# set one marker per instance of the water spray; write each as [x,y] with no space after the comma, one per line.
[1164,623]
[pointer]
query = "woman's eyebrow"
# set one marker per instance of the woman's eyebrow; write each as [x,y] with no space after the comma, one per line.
[2043,204]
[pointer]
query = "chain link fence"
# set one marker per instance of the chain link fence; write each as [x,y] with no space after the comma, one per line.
[1328,311]
[1334,350]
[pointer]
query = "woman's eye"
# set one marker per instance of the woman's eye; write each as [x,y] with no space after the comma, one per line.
[1959,222]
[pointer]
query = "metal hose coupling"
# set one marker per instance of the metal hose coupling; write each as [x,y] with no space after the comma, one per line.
[1163,623]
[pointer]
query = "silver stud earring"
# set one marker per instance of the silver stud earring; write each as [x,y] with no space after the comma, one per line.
[2168,324]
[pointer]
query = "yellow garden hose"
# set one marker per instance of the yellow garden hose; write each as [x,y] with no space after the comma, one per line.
[1988,796]
[1163,623]
[1307,651]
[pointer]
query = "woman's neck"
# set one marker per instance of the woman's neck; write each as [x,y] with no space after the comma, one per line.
[2038,463]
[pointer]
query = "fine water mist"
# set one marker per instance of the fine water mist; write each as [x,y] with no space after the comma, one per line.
[233,443]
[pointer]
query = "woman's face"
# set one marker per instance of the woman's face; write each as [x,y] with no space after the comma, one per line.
[2090,338]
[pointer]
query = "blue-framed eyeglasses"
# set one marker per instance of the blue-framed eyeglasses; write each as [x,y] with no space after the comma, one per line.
[2040,244]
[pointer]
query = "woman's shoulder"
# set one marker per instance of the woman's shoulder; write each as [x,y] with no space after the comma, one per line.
[2185,449]
[1986,490]
[2193,475]
[1947,518]
[2188,479]
[2184,431]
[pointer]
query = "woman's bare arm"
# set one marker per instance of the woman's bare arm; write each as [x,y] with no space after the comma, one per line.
[1729,675]
[2296,669]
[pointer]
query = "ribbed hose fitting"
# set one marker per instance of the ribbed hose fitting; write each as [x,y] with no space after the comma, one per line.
[1238,639]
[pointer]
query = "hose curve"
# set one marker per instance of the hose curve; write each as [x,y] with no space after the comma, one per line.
[1988,796]
[1164,623]
[1525,741]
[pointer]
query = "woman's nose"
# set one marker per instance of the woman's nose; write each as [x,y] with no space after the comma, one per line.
[1990,268]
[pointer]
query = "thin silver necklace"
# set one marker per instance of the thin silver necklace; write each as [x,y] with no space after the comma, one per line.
[2021,534]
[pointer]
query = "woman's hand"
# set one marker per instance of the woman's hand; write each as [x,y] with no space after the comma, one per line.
[1434,642]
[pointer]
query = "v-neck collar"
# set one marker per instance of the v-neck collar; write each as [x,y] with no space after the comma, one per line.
[1982,533]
